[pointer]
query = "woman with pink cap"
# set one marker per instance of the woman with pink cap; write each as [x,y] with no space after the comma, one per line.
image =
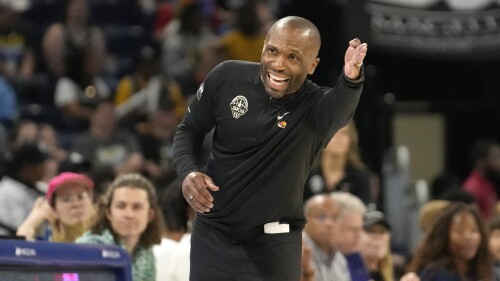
[67,207]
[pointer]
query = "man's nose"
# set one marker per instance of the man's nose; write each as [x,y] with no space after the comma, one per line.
[279,63]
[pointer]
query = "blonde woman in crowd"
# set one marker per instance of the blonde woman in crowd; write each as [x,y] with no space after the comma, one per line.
[429,213]
[340,168]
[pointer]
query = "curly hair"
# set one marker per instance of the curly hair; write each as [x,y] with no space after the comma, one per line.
[152,234]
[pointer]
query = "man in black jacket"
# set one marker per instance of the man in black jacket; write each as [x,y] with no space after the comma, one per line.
[270,123]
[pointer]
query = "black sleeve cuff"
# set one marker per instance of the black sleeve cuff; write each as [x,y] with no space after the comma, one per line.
[355,81]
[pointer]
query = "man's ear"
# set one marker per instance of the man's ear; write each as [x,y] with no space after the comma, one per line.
[313,66]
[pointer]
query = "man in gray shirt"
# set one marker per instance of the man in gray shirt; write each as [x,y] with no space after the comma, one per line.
[327,262]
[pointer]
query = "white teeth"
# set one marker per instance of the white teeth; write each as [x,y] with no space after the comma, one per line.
[277,79]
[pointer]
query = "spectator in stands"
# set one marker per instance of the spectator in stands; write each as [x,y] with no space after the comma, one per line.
[181,46]
[163,15]
[328,263]
[429,213]
[145,91]
[78,93]
[74,40]
[156,145]
[222,16]
[67,207]
[374,259]
[340,167]
[19,187]
[75,52]
[108,146]
[27,131]
[494,245]
[23,131]
[484,180]
[246,39]
[48,138]
[172,255]
[129,216]
[349,221]
[16,52]
[456,248]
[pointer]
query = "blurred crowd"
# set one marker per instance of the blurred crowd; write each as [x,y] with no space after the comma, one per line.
[102,85]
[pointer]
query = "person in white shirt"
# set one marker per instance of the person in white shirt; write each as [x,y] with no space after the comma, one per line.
[172,255]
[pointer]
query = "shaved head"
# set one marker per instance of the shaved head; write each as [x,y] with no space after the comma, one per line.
[289,54]
[302,25]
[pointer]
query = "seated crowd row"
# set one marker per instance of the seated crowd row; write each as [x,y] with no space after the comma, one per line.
[342,240]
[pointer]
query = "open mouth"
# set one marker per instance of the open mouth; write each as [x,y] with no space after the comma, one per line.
[277,83]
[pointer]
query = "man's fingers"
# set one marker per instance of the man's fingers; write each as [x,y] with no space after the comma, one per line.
[360,54]
[199,203]
[199,207]
[362,48]
[200,194]
[355,42]
[210,184]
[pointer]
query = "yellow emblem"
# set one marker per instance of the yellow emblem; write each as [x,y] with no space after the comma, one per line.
[282,124]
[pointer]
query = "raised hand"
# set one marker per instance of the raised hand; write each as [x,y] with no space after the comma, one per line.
[353,59]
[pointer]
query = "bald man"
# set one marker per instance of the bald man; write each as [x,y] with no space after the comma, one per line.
[270,123]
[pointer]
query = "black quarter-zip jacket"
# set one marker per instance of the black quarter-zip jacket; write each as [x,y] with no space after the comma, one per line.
[263,148]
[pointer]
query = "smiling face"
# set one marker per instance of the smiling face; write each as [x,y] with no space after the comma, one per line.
[464,237]
[289,55]
[129,212]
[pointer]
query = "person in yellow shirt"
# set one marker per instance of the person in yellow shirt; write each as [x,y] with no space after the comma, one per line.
[246,40]
[140,94]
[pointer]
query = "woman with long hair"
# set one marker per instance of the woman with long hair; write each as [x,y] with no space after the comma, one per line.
[129,216]
[340,167]
[455,248]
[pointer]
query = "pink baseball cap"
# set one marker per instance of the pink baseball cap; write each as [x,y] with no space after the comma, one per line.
[67,177]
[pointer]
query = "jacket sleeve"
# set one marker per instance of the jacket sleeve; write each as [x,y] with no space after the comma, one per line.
[197,123]
[335,106]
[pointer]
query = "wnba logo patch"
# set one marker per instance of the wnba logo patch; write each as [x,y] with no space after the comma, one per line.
[239,106]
